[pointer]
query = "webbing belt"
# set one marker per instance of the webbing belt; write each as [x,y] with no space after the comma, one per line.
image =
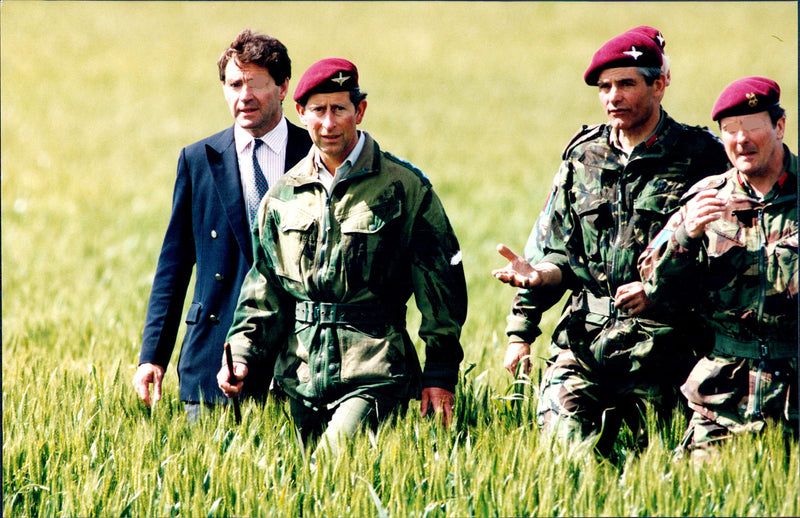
[312,312]
[755,349]
[604,306]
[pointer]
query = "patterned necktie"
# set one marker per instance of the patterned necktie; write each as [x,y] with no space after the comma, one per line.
[254,200]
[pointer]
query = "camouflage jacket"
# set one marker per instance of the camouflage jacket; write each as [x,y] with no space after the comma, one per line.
[743,271]
[604,209]
[380,235]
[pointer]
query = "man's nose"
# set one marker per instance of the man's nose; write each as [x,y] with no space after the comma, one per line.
[245,93]
[742,136]
[328,119]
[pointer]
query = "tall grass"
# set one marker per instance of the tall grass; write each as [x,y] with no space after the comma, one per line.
[77,444]
[97,100]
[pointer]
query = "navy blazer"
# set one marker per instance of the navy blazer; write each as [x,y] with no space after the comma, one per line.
[208,229]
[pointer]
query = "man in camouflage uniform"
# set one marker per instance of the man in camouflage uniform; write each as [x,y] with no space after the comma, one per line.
[732,247]
[617,185]
[344,239]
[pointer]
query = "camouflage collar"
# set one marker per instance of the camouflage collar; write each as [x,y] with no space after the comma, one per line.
[613,136]
[662,140]
[657,145]
[368,162]
[786,185]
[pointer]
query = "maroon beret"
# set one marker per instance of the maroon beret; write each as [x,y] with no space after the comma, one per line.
[652,33]
[326,76]
[629,49]
[745,96]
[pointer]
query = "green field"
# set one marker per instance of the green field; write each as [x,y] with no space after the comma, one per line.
[97,100]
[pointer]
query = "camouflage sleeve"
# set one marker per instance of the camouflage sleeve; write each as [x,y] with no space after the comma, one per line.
[527,308]
[672,265]
[440,292]
[264,312]
[546,243]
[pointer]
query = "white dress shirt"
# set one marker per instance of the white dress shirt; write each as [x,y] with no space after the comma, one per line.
[271,157]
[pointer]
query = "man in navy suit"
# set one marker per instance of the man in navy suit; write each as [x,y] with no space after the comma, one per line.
[219,183]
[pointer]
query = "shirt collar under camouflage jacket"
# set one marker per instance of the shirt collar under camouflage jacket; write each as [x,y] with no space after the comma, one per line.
[379,236]
[744,272]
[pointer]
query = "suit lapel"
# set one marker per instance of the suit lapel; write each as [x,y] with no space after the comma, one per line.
[224,167]
[297,146]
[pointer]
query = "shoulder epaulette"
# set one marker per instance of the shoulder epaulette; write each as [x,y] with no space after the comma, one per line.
[705,129]
[408,165]
[584,134]
[695,129]
[712,182]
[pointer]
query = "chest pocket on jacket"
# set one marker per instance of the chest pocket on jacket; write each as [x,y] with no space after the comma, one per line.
[370,239]
[295,240]
[782,265]
[725,236]
[595,218]
[728,254]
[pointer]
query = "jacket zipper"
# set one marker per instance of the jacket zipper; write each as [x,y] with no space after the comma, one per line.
[322,250]
[316,362]
[612,275]
[762,293]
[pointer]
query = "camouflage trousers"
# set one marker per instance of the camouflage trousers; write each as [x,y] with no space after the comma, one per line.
[731,395]
[578,403]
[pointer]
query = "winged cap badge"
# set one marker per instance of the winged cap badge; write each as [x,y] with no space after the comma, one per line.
[340,79]
[633,52]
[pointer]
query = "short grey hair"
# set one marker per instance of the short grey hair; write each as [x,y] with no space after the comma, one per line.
[650,74]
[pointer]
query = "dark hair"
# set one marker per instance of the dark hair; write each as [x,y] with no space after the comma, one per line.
[259,49]
[775,114]
[650,74]
[356,96]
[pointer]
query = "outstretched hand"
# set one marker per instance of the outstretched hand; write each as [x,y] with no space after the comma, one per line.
[521,274]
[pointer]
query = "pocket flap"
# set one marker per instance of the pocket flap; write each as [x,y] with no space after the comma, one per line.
[296,220]
[726,229]
[587,203]
[193,315]
[371,220]
[663,203]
